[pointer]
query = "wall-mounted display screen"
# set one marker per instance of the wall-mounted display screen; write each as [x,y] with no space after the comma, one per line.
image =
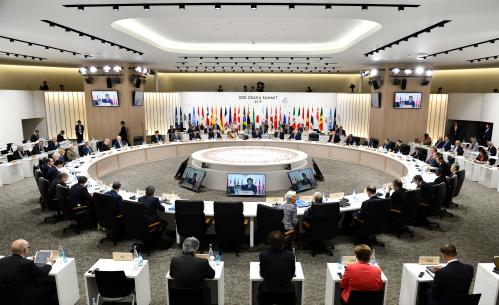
[108,98]
[407,100]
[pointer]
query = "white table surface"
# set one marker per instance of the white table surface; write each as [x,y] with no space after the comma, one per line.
[487,283]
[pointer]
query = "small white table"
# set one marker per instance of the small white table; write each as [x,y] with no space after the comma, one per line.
[468,166]
[487,283]
[411,283]
[29,162]
[333,284]
[140,276]
[489,176]
[11,172]
[66,281]
[216,285]
[256,279]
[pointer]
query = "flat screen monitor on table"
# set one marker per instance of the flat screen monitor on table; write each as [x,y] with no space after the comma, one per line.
[302,179]
[192,178]
[245,184]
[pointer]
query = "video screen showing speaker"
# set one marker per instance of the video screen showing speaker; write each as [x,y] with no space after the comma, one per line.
[108,98]
[245,184]
[138,98]
[302,179]
[407,100]
[192,178]
[376,100]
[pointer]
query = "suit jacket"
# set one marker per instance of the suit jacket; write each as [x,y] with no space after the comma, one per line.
[86,150]
[23,275]
[459,151]
[156,139]
[277,267]
[439,144]
[389,146]
[360,276]
[455,134]
[119,145]
[336,139]
[487,135]
[37,150]
[397,197]
[34,138]
[118,200]
[16,155]
[455,278]
[363,208]
[152,205]
[78,133]
[190,271]
[79,194]
[52,146]
[60,138]
[447,145]
[53,187]
[52,173]
[426,192]
[492,151]
[296,137]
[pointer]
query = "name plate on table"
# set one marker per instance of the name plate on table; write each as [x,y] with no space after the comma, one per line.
[429,260]
[170,197]
[141,193]
[307,198]
[122,256]
[348,260]
[273,199]
[335,196]
[203,256]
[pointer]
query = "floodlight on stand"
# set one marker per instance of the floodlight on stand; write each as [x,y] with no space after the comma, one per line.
[138,69]
[373,72]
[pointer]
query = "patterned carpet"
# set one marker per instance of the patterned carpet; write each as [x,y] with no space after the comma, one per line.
[472,229]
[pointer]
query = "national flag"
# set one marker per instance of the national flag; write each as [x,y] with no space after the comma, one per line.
[334,121]
[275,118]
[253,116]
[212,116]
[230,115]
[307,121]
[303,113]
[194,121]
[312,118]
[330,126]
[284,121]
[198,111]
[207,117]
[321,121]
[244,118]
[176,117]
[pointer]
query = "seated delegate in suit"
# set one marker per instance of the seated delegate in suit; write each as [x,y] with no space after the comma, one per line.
[417,152]
[441,177]
[117,199]
[317,198]
[290,219]
[279,134]
[86,149]
[156,138]
[19,153]
[39,148]
[258,134]
[350,140]
[35,136]
[432,161]
[119,143]
[53,171]
[60,136]
[447,144]
[398,146]
[371,193]
[388,145]
[277,268]
[454,278]
[189,271]
[424,187]
[152,205]
[29,283]
[491,149]
[334,137]
[194,135]
[53,144]
[427,140]
[45,165]
[70,154]
[442,164]
[439,143]
[482,156]
[249,186]
[360,276]
[369,143]
[60,180]
[458,148]
[398,194]
[79,195]
[295,135]
[105,145]
[473,146]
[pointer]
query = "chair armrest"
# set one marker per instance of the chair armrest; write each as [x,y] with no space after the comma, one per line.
[306,224]
[289,232]
[396,211]
[246,221]
[359,220]
[424,204]
[120,216]
[154,224]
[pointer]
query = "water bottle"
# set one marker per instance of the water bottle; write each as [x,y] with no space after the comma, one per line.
[62,254]
[354,193]
[340,264]
[373,260]
[294,253]
[211,258]
[141,260]
[135,257]
[94,301]
[217,259]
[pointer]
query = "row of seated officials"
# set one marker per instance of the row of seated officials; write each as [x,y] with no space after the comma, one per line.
[25,283]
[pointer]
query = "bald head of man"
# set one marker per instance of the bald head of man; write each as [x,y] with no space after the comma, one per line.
[20,247]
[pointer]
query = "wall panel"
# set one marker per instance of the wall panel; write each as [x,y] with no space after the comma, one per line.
[437,115]
[160,110]
[353,113]
[62,110]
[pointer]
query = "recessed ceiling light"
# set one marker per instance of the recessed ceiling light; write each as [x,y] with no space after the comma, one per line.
[328,7]
[81,8]
[401,8]
[147,7]
[364,7]
[93,69]
[117,69]
[106,69]
[253,6]
[395,70]
[116,7]
[218,6]
[419,70]
[181,6]
[429,73]
[291,6]
[83,70]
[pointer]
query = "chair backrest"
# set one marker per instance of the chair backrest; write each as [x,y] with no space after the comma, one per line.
[378,216]
[437,198]
[184,296]
[138,140]
[375,143]
[98,145]
[43,187]
[113,284]
[405,149]
[358,297]
[10,158]
[105,212]
[451,187]
[190,219]
[229,221]
[135,220]
[324,219]
[62,195]
[268,219]
[461,174]
[410,206]
[313,136]
[423,154]
[37,174]
[462,299]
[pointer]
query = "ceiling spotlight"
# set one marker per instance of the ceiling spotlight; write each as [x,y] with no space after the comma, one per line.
[83,70]
[291,6]
[93,69]
[181,6]
[253,6]
[116,8]
[395,70]
[364,7]
[138,69]
[145,70]
[373,72]
[429,73]
[218,6]
[81,8]
[51,25]
[401,8]
[475,45]
[419,70]
[328,7]
[106,69]
[407,71]
[117,69]
[147,7]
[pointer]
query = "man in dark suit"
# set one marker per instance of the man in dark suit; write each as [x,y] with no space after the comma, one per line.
[118,200]
[334,137]
[53,172]
[53,144]
[35,136]
[189,271]
[39,148]
[458,148]
[398,194]
[370,143]
[257,134]
[277,268]
[486,135]
[440,143]
[455,132]
[279,134]
[60,136]
[388,145]
[118,143]
[61,179]
[454,278]
[249,186]
[79,195]
[176,136]
[152,204]
[443,165]
[19,153]
[156,138]
[424,187]
[86,149]
[371,193]
[491,149]
[295,135]
[79,129]
[447,144]
[104,146]
[29,284]
[45,165]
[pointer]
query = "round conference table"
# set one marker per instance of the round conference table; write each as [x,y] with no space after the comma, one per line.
[103,163]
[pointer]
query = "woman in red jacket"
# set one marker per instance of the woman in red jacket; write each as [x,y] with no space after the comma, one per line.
[361,275]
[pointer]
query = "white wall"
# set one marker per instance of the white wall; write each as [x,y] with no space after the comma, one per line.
[15,106]
[482,107]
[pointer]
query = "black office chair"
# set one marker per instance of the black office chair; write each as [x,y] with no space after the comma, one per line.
[461,175]
[77,215]
[323,226]
[37,174]
[375,142]
[10,158]
[405,149]
[276,297]
[423,154]
[408,213]
[229,224]
[9,295]
[49,201]
[268,219]
[114,286]
[358,297]
[449,193]
[184,296]
[137,226]
[313,137]
[108,217]
[462,299]
[376,222]
[433,208]
[190,219]
[138,140]
[98,145]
